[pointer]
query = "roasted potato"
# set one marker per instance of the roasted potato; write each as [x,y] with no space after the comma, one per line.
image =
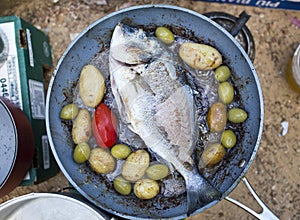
[200,56]
[146,188]
[91,86]
[213,154]
[101,161]
[217,117]
[82,127]
[136,165]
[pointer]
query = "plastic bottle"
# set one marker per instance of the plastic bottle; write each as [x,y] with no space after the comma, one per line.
[293,71]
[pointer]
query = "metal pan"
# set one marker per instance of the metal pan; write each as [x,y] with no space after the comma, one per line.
[80,52]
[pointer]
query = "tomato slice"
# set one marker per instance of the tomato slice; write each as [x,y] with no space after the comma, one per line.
[104,126]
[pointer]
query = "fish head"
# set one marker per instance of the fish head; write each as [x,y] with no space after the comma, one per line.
[131,45]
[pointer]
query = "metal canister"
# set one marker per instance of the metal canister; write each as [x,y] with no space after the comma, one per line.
[16,147]
[236,26]
[293,71]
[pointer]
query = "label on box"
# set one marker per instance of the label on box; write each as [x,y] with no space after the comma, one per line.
[279,4]
[37,99]
[46,152]
[10,85]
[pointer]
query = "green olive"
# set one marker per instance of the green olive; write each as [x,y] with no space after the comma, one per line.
[122,186]
[222,73]
[237,115]
[213,154]
[157,171]
[164,35]
[120,151]
[226,92]
[216,117]
[81,152]
[228,139]
[69,112]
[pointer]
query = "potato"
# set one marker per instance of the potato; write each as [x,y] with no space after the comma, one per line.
[91,86]
[146,188]
[82,127]
[101,161]
[217,117]
[200,56]
[213,154]
[136,165]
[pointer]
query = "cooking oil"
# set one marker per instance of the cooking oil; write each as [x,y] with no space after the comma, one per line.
[293,71]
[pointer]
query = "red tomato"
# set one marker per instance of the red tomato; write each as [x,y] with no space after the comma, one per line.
[104,126]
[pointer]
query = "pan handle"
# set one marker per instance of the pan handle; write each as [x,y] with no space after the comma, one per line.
[266,213]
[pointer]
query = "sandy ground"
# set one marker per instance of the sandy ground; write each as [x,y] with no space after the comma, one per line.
[275,171]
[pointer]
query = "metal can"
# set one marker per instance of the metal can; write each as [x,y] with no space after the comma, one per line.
[16,148]
[292,73]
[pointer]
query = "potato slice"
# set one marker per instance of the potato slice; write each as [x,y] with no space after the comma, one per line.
[82,127]
[91,86]
[200,56]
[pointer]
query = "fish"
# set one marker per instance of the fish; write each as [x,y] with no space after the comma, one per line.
[158,106]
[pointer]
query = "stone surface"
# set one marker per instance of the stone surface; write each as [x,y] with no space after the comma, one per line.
[275,172]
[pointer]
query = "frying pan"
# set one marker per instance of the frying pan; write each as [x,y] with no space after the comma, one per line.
[87,45]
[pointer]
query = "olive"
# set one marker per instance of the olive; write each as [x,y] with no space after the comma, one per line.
[164,35]
[146,188]
[228,139]
[157,171]
[216,117]
[222,73]
[120,151]
[122,186]
[226,92]
[213,154]
[69,112]
[81,152]
[237,115]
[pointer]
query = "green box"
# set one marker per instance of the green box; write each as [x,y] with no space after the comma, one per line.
[25,58]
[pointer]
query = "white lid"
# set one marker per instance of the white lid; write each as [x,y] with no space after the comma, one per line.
[47,206]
